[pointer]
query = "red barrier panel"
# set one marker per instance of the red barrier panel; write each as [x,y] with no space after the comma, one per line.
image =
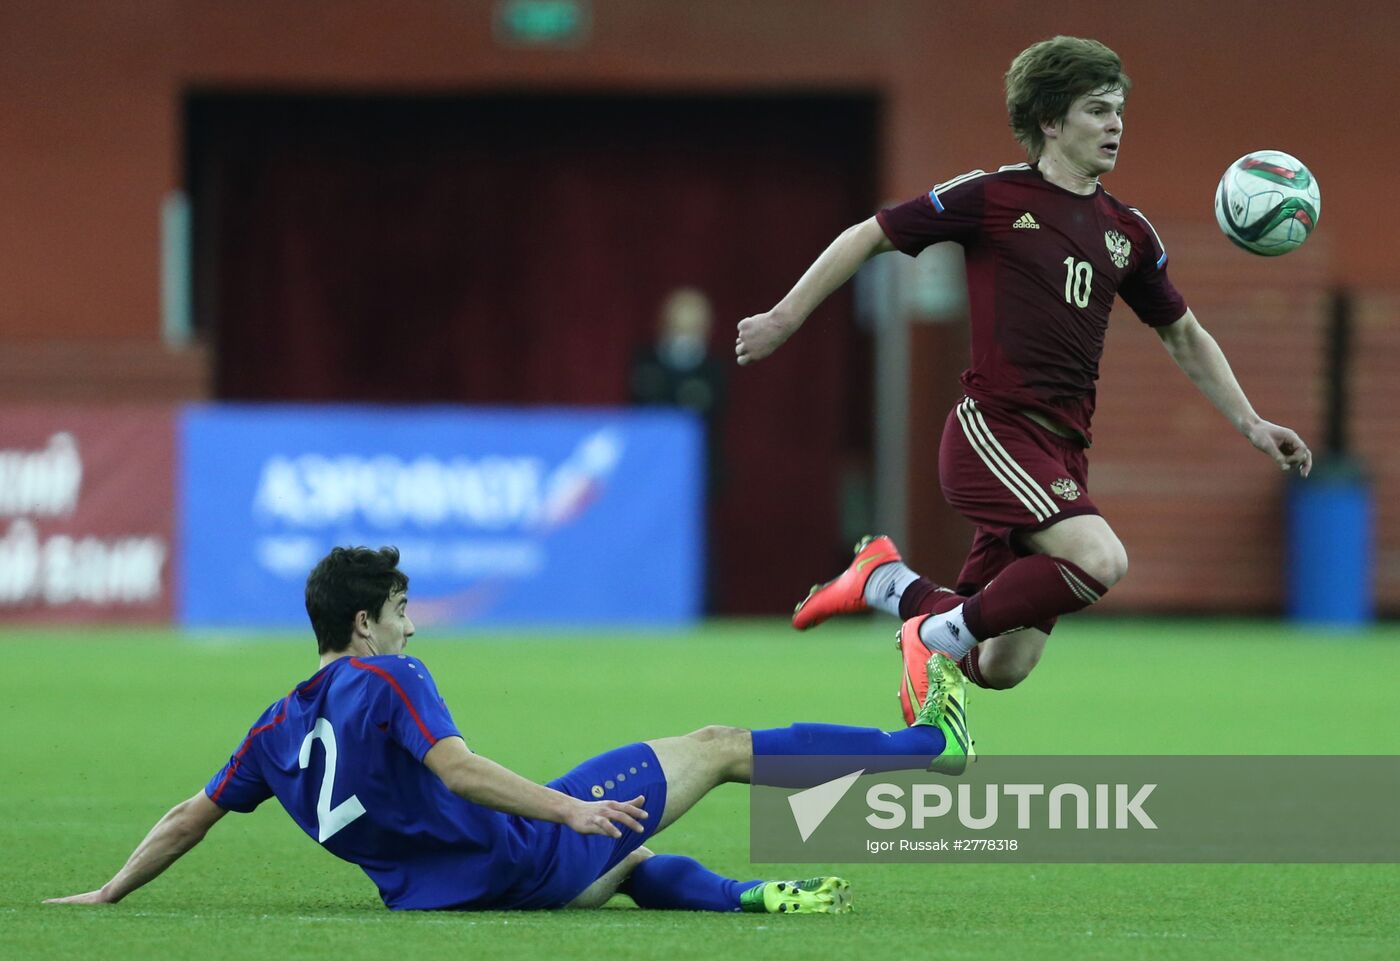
[86,514]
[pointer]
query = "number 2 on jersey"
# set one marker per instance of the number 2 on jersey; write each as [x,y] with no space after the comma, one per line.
[1079,282]
[329,819]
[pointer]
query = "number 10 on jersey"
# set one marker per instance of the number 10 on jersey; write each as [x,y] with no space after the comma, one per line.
[1079,281]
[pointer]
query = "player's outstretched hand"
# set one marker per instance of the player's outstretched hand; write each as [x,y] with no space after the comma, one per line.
[1283,445]
[91,897]
[603,817]
[760,335]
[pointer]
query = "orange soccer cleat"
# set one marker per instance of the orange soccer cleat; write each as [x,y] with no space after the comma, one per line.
[846,593]
[934,692]
[913,685]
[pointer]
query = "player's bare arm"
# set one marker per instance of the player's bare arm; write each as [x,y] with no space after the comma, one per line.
[764,333]
[181,829]
[1200,357]
[483,781]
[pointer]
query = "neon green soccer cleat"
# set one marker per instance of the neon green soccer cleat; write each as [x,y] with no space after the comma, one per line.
[812,896]
[945,704]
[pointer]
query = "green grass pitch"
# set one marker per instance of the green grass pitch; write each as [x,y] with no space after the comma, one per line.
[103,731]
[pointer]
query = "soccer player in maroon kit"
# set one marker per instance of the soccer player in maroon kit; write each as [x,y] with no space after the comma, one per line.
[1047,249]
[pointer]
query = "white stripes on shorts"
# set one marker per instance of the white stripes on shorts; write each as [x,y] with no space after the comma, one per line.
[999,462]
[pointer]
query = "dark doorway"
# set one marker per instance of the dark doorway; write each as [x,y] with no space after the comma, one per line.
[517,249]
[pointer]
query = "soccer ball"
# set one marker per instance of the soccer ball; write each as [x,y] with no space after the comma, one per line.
[1267,202]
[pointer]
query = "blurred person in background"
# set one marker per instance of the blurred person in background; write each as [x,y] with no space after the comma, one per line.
[678,370]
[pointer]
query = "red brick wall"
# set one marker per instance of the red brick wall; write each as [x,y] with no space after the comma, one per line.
[90,141]
[91,113]
[1199,510]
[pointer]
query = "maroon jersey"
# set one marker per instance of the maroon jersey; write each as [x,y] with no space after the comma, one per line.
[1043,266]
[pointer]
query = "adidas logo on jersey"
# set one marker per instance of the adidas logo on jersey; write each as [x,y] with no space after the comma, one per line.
[1026,222]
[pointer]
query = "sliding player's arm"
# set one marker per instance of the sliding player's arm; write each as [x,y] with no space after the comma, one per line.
[181,829]
[764,333]
[414,714]
[1200,357]
[483,781]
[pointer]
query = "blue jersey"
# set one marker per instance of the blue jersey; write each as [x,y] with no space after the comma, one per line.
[343,754]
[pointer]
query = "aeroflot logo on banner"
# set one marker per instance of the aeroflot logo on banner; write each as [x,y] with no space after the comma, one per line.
[489,492]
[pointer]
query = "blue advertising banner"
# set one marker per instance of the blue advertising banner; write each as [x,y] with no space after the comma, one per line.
[563,517]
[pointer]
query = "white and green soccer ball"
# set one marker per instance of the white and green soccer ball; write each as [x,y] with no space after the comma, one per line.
[1267,202]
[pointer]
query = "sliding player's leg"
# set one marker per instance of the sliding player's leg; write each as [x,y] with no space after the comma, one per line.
[670,774]
[696,763]
[672,882]
[600,892]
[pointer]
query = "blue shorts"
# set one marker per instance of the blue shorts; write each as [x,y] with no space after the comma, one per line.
[581,859]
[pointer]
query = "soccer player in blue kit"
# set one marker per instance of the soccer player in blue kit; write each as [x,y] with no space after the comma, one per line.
[365,757]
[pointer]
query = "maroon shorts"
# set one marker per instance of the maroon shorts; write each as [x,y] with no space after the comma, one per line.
[1008,475]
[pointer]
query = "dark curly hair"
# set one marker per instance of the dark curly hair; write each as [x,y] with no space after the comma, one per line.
[346,581]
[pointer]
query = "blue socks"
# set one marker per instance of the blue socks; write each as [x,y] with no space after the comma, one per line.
[673,882]
[838,750]
[837,739]
[676,883]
